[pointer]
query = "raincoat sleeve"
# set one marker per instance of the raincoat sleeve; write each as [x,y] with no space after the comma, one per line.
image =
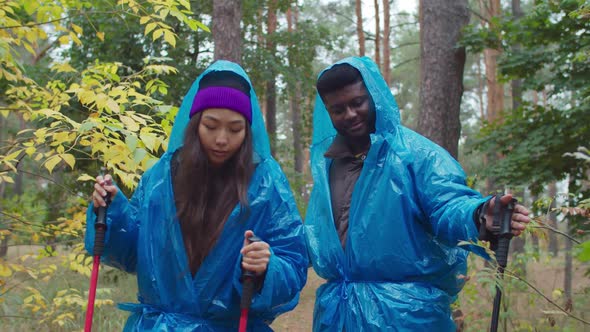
[444,197]
[287,268]
[120,249]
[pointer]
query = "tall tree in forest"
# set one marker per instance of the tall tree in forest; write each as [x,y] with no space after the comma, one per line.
[254,56]
[386,68]
[359,27]
[553,245]
[553,59]
[516,85]
[516,82]
[377,36]
[491,9]
[271,88]
[441,70]
[480,89]
[405,68]
[3,222]
[295,95]
[226,18]
[494,89]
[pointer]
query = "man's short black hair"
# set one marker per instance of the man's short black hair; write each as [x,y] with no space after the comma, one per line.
[225,78]
[337,77]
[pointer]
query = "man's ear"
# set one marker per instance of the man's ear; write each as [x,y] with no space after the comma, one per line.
[321,97]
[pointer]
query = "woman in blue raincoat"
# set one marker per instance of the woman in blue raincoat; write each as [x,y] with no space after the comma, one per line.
[386,213]
[184,231]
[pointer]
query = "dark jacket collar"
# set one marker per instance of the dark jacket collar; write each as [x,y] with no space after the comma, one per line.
[339,150]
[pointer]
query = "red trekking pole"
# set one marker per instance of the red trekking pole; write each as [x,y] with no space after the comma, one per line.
[247,292]
[100,227]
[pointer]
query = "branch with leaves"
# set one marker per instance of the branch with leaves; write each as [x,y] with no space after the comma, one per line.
[67,117]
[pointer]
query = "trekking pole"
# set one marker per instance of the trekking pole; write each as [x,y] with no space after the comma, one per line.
[247,291]
[100,227]
[501,227]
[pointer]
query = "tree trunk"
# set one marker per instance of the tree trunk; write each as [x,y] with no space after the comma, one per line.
[552,220]
[297,138]
[534,238]
[3,222]
[227,38]
[295,101]
[517,244]
[480,90]
[19,189]
[495,90]
[261,91]
[359,27]
[3,225]
[535,98]
[386,39]
[567,283]
[441,70]
[377,36]
[516,84]
[271,89]
[482,109]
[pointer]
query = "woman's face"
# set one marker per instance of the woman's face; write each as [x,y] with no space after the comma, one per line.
[222,132]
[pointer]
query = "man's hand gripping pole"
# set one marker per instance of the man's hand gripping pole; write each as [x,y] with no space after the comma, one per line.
[502,229]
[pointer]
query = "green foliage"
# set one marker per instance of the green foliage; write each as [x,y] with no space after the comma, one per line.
[554,45]
[534,304]
[533,141]
[124,41]
[405,74]
[583,209]
[59,304]
[71,114]
[584,254]
[554,40]
[91,82]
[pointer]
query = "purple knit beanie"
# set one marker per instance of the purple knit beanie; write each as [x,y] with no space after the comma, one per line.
[222,97]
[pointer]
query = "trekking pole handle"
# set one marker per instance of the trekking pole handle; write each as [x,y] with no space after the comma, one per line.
[100,226]
[505,233]
[248,281]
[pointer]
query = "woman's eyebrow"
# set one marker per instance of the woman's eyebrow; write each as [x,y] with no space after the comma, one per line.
[211,117]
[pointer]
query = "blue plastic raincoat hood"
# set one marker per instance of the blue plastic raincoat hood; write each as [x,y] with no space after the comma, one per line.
[144,237]
[260,137]
[400,269]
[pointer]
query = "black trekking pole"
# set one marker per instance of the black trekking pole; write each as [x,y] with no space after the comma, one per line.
[247,292]
[100,227]
[501,227]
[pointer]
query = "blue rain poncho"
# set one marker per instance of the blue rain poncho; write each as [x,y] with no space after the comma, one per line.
[400,269]
[144,237]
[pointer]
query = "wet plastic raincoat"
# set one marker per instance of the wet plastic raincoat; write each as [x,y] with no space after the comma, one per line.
[144,237]
[410,207]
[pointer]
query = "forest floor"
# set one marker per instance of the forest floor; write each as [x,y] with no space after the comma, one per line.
[527,311]
[545,276]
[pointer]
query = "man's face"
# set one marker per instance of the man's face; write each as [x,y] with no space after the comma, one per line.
[351,110]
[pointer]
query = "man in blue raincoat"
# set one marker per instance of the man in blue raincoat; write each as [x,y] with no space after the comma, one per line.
[386,213]
[144,236]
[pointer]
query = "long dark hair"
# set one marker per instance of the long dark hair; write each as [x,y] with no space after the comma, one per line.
[206,195]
